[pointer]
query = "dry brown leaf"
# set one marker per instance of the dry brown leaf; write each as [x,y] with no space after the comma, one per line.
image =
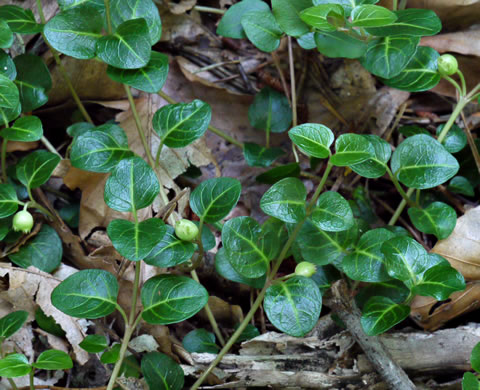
[17,146]
[223,311]
[180,7]
[462,42]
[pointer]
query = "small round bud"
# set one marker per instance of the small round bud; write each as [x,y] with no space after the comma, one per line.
[186,230]
[447,65]
[23,221]
[305,269]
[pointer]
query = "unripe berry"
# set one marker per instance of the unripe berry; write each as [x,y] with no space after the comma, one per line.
[23,221]
[447,65]
[186,230]
[305,269]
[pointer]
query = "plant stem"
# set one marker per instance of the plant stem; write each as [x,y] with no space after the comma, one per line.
[400,208]
[4,160]
[292,82]
[107,14]
[471,142]
[32,379]
[462,102]
[209,9]
[417,199]
[399,188]
[159,151]
[462,80]
[455,84]
[50,147]
[395,5]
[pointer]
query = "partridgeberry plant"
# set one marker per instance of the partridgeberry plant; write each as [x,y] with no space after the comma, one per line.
[322,231]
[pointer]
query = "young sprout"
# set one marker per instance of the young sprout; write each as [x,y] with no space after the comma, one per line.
[305,269]
[186,230]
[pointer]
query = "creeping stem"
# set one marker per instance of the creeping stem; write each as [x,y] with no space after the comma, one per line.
[4,160]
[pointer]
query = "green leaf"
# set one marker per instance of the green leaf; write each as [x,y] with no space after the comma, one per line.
[150,78]
[440,282]
[9,114]
[94,343]
[53,359]
[131,186]
[248,333]
[208,239]
[337,44]
[438,218]
[65,5]
[128,47]
[312,139]
[285,200]
[180,124]
[14,365]
[325,276]
[470,382]
[287,14]
[392,289]
[352,149]
[7,66]
[9,96]
[25,129]
[461,185]
[386,57]
[8,200]
[100,149]
[376,166]
[420,74]
[259,156]
[168,299]
[278,173]
[262,30]
[230,25]
[475,357]
[124,10]
[332,213]
[20,20]
[91,293]
[367,262]
[200,341]
[6,35]
[135,241]
[422,162]
[307,41]
[225,269]
[111,355]
[170,251]
[455,140]
[245,247]
[5,225]
[380,314]
[76,31]
[48,323]
[44,251]
[12,323]
[36,168]
[79,128]
[369,15]
[319,15]
[408,131]
[161,372]
[293,306]
[270,111]
[214,198]
[411,21]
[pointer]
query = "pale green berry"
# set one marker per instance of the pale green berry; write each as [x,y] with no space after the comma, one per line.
[447,65]
[186,230]
[23,221]
[305,269]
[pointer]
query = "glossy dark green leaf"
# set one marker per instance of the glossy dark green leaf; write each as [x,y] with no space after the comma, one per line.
[90,293]
[170,251]
[36,168]
[131,186]
[367,262]
[352,149]
[100,149]
[128,47]
[180,124]
[44,251]
[25,129]
[208,239]
[262,30]
[225,269]
[475,357]
[124,10]
[278,173]
[248,333]
[440,282]
[9,96]
[438,218]
[111,356]
[422,162]
[135,241]
[20,20]
[411,21]
[14,365]
[94,343]
[230,25]
[259,156]
[150,78]
[214,198]
[168,299]
[455,140]
[387,56]
[161,372]
[332,213]
[318,16]
[11,323]
[6,35]
[270,111]
[65,5]
[287,14]
[293,306]
[285,200]
[381,313]
[53,359]
[376,166]
[76,31]
[392,289]
[461,185]
[420,74]
[325,276]
[200,341]
[408,131]
[8,200]
[369,15]
[470,382]
[9,114]
[7,67]
[338,44]
[79,128]
[307,41]
[312,139]
[48,323]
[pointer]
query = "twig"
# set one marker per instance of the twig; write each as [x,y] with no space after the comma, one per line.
[471,142]
[276,62]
